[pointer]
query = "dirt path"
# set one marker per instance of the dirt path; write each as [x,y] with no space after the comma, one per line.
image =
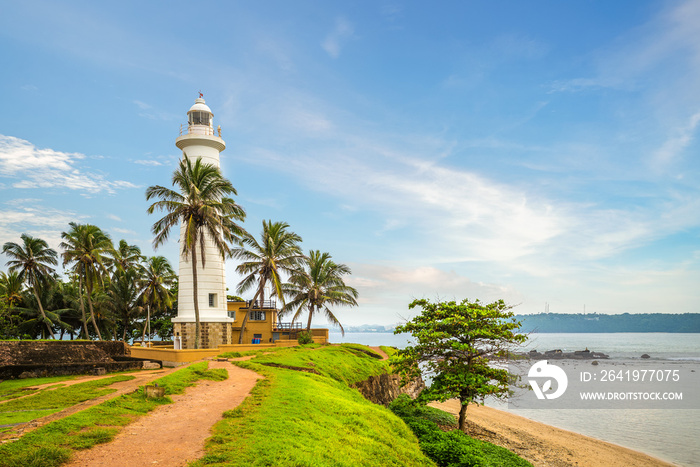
[545,445]
[380,352]
[174,434]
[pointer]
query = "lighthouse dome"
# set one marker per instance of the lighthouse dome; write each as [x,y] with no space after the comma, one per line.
[200,106]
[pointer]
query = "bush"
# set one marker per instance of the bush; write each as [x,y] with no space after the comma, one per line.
[451,448]
[305,338]
[404,407]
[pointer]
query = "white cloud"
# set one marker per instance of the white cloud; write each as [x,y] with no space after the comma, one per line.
[335,40]
[124,231]
[678,142]
[32,167]
[37,220]
[391,287]
[114,217]
[150,162]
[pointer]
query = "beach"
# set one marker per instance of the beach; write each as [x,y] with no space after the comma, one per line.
[545,445]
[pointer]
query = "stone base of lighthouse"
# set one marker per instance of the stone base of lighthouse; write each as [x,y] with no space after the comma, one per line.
[213,334]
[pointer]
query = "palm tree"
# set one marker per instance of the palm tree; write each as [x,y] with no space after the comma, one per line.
[126,256]
[205,211]
[158,278]
[86,247]
[317,287]
[278,251]
[11,286]
[33,260]
[51,299]
[124,291]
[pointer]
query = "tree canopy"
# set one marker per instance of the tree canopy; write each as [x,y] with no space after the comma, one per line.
[454,345]
[317,286]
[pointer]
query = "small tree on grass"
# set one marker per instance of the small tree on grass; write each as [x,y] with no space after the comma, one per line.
[454,343]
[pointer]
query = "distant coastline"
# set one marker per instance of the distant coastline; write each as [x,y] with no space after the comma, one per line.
[599,323]
[586,323]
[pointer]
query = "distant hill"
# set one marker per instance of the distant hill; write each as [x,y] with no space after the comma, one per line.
[593,322]
[369,328]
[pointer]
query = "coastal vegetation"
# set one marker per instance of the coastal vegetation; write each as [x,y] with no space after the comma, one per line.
[33,262]
[52,444]
[454,344]
[450,448]
[107,292]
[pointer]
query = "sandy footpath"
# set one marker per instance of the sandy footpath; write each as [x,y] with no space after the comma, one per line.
[545,445]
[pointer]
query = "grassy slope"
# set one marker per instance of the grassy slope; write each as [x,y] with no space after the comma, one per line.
[296,418]
[52,444]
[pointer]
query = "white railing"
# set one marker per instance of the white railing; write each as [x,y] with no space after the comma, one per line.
[187,129]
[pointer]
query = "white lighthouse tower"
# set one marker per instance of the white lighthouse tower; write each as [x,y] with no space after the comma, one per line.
[202,142]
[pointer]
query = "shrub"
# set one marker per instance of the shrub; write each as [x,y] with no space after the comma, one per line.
[305,338]
[452,448]
[404,406]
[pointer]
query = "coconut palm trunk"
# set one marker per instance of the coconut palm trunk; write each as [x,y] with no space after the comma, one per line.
[41,310]
[92,311]
[311,315]
[82,308]
[260,293]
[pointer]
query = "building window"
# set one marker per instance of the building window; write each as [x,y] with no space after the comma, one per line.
[212,300]
[232,314]
[257,316]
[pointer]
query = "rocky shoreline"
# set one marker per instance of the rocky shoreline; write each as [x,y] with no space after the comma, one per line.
[558,354]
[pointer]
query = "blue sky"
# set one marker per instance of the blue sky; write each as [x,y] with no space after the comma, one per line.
[539,152]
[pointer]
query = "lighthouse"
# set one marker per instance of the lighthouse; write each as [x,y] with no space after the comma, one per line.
[200,141]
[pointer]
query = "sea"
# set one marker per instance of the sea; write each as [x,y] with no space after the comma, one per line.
[669,434]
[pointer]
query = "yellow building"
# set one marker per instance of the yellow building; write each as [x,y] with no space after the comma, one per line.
[263,326]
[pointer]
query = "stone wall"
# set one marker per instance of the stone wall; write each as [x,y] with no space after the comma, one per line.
[23,359]
[385,388]
[213,334]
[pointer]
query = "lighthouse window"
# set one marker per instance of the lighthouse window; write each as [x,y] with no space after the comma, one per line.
[212,300]
[199,118]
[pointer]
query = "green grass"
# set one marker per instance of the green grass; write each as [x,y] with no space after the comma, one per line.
[295,418]
[52,444]
[14,388]
[49,401]
[390,351]
[344,363]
